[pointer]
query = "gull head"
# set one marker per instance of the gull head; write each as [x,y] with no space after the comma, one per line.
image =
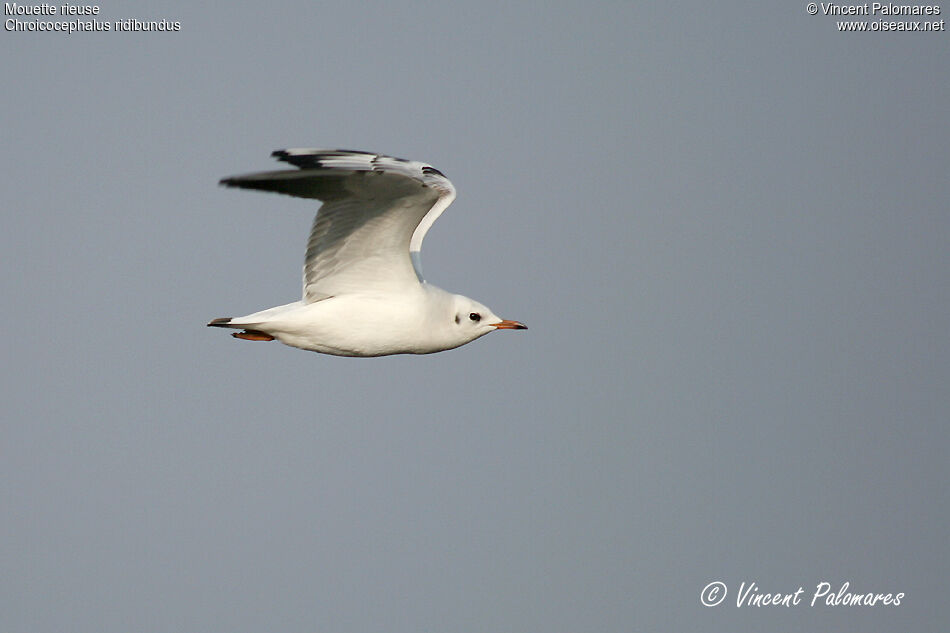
[471,319]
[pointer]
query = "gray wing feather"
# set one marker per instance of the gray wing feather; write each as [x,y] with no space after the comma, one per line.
[372,214]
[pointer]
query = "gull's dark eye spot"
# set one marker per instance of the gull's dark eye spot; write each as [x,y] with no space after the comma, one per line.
[456,319]
[475,316]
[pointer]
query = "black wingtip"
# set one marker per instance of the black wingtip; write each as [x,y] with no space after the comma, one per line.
[290,155]
[222,322]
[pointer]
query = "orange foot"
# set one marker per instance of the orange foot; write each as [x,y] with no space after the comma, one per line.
[253,335]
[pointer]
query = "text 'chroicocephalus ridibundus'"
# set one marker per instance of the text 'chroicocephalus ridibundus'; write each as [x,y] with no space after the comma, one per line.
[363,291]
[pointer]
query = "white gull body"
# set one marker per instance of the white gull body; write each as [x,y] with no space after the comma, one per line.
[363,290]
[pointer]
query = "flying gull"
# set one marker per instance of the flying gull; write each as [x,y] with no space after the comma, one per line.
[363,290]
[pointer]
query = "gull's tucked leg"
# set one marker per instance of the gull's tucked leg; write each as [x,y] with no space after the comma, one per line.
[253,335]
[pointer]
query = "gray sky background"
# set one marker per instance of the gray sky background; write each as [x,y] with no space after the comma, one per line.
[726,225]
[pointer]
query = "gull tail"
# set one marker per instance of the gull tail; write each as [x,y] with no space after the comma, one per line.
[247,334]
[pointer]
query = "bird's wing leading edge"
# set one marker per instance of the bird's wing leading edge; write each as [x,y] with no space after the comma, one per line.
[376,211]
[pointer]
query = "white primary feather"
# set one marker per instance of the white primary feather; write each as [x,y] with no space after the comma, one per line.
[376,210]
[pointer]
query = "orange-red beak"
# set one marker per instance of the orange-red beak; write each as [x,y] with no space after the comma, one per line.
[509,325]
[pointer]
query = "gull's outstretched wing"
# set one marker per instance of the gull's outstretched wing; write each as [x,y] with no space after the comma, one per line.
[376,211]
